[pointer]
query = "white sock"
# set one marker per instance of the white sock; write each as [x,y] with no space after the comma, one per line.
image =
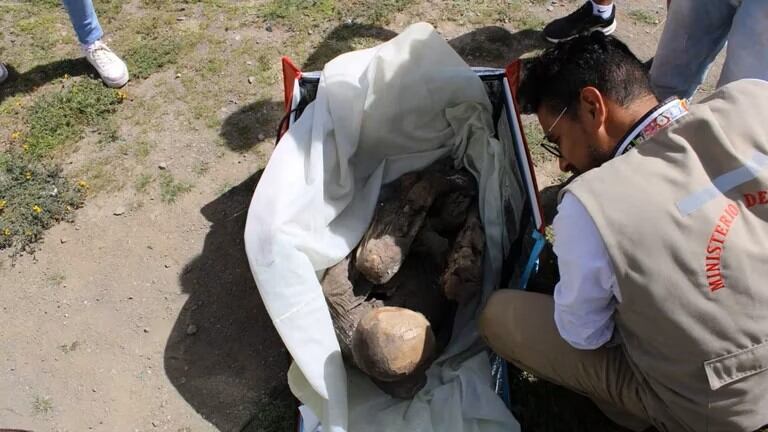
[601,11]
[87,47]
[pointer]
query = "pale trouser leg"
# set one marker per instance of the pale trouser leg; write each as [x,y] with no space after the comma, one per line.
[520,327]
[747,52]
[694,33]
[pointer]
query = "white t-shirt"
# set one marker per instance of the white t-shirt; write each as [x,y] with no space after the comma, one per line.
[587,294]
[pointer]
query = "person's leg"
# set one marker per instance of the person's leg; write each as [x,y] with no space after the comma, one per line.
[110,67]
[694,33]
[520,327]
[84,20]
[747,51]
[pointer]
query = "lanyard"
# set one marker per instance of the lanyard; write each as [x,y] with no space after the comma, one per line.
[657,119]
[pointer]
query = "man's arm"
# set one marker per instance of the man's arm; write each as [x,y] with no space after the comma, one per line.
[586,296]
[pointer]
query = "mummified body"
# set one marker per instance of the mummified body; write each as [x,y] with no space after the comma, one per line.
[392,300]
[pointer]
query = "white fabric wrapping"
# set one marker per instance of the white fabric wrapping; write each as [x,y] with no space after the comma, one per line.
[378,114]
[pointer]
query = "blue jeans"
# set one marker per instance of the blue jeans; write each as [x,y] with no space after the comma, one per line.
[84,20]
[696,31]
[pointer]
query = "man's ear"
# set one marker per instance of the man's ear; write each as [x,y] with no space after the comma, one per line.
[592,108]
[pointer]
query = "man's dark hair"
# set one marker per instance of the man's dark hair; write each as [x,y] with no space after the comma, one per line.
[555,78]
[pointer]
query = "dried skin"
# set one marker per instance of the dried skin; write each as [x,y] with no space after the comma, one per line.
[392,343]
[391,301]
[450,211]
[464,275]
[346,308]
[394,227]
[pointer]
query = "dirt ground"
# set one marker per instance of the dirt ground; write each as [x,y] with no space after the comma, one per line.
[142,315]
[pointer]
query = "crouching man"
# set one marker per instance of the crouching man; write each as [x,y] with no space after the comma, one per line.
[661,312]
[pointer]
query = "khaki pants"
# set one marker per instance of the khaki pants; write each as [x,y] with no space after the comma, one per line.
[520,327]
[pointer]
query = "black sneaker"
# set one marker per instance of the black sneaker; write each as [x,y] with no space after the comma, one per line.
[579,22]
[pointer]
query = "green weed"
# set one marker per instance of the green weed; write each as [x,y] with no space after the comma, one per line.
[640,16]
[55,280]
[42,405]
[528,21]
[299,12]
[141,149]
[60,118]
[148,56]
[201,168]
[143,182]
[33,197]
[170,188]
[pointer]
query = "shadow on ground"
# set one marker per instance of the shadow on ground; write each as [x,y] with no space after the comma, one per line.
[28,81]
[495,46]
[224,355]
[544,407]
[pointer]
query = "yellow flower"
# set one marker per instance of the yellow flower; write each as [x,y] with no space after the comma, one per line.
[82,184]
[6,232]
[66,77]
[121,95]
[25,147]
[15,135]
[3,203]
[37,209]
[28,175]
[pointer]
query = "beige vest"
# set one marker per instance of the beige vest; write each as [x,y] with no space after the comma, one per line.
[691,260]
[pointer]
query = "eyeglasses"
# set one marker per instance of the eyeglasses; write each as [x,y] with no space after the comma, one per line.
[551,148]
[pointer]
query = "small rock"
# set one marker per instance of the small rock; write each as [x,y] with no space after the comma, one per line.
[130,297]
[162,165]
[261,137]
[155,423]
[191,329]
[181,18]
[93,390]
[178,75]
[146,330]
[249,63]
[268,28]
[167,265]
[550,8]
[119,211]
[251,79]
[63,240]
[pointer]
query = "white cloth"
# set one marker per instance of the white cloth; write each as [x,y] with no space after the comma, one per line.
[586,296]
[378,114]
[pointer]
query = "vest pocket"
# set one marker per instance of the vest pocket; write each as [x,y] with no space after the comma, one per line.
[735,366]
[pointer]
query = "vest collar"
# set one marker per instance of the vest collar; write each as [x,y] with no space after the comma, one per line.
[661,116]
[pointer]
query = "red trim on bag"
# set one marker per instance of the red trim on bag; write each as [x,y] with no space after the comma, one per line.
[291,73]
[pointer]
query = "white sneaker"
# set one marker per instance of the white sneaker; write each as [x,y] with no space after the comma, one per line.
[112,70]
[3,73]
